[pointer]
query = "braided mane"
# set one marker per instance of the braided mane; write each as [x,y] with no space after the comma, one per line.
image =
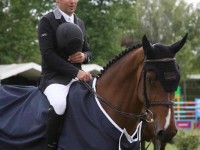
[119,56]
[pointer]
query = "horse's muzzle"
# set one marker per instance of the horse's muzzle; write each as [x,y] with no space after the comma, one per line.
[164,136]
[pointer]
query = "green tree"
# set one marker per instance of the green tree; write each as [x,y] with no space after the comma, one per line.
[18,40]
[167,21]
[194,28]
[107,23]
[104,24]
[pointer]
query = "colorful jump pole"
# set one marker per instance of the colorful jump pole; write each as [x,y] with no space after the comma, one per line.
[178,99]
[197,100]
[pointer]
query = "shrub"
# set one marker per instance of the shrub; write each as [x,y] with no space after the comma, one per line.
[186,141]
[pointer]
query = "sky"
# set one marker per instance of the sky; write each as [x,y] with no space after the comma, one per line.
[193,1]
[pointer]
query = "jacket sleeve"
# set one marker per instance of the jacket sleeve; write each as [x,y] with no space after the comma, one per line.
[86,49]
[47,43]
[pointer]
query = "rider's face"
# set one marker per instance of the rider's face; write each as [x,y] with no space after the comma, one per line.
[67,6]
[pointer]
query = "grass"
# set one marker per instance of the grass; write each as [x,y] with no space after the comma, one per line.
[173,146]
[168,147]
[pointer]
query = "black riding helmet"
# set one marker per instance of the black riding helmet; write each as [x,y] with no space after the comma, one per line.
[70,38]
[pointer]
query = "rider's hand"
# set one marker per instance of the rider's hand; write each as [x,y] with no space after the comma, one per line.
[85,76]
[78,57]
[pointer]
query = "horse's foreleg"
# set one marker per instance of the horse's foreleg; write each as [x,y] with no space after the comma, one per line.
[163,145]
[142,145]
[159,145]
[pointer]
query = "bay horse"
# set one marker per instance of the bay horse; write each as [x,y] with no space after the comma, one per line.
[106,113]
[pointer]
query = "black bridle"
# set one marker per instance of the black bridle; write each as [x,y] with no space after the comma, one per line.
[148,103]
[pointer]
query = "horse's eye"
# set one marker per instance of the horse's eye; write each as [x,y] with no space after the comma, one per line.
[151,81]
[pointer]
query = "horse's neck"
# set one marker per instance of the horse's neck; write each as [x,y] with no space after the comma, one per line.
[118,85]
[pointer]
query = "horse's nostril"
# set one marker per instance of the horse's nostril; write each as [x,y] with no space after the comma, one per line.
[175,132]
[163,136]
[160,134]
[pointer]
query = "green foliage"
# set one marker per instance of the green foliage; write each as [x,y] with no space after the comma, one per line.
[166,21]
[187,141]
[104,25]
[107,23]
[18,40]
[180,140]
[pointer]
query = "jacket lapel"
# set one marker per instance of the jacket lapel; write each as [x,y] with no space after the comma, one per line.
[58,16]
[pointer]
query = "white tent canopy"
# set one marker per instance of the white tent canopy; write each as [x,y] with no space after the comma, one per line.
[92,68]
[27,70]
[194,76]
[32,70]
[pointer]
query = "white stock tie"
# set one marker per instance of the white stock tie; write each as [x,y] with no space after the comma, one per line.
[70,20]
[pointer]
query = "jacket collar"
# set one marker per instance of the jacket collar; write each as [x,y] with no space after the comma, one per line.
[57,13]
[59,16]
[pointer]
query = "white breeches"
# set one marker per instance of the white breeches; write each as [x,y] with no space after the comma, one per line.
[57,96]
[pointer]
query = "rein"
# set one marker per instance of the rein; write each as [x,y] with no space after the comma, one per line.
[107,103]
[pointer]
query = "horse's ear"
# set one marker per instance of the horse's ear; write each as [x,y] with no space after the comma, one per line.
[178,45]
[146,45]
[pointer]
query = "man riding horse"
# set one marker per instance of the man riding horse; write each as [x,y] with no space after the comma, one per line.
[61,60]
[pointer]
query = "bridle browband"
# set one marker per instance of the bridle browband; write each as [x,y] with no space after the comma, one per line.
[160,60]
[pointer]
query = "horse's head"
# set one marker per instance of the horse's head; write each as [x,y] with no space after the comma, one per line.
[160,79]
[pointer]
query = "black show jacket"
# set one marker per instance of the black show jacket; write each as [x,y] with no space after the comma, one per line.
[55,65]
